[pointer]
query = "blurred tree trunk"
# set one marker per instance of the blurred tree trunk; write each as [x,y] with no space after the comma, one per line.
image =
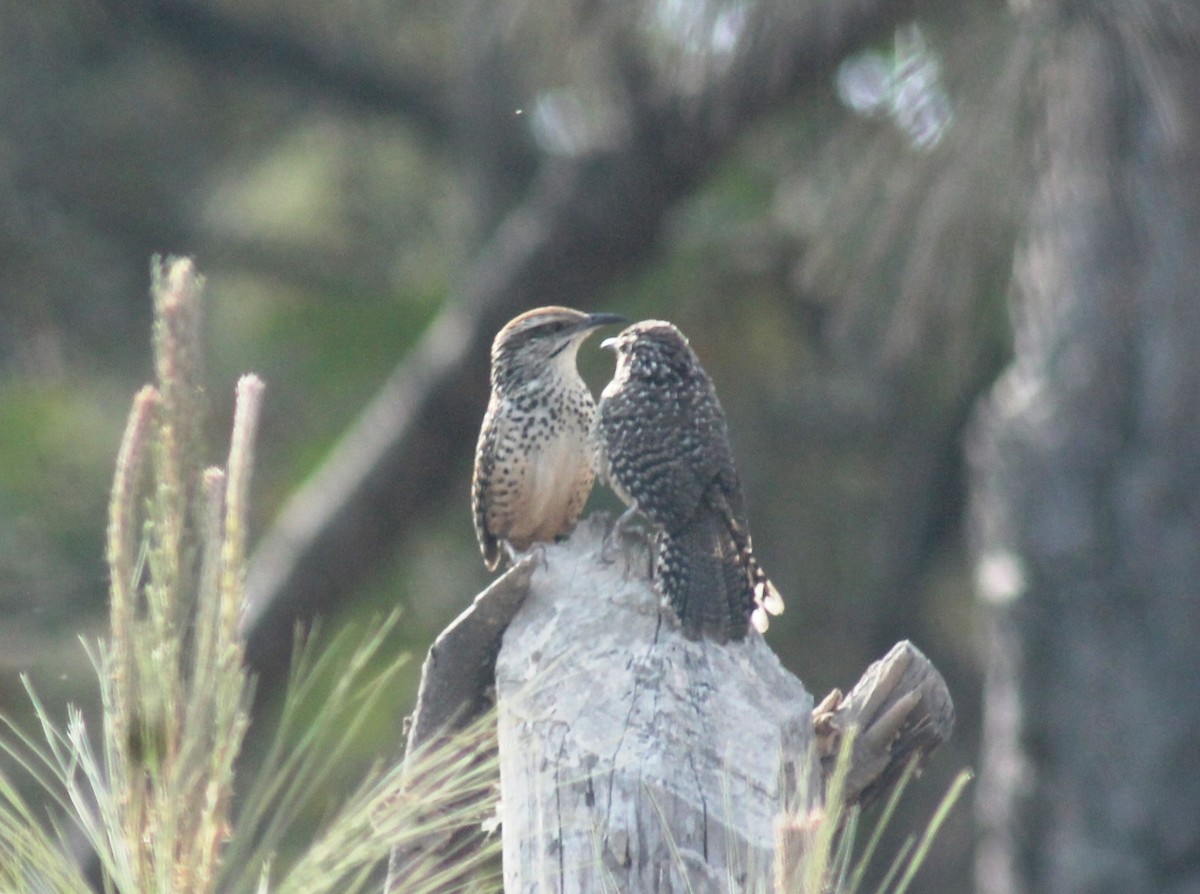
[1086,476]
[584,222]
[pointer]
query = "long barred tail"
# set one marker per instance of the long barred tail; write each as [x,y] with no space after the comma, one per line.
[702,574]
[767,599]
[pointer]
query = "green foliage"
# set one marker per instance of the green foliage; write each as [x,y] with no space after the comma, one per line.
[55,445]
[155,799]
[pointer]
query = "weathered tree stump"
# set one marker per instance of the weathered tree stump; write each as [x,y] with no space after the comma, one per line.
[635,760]
[629,753]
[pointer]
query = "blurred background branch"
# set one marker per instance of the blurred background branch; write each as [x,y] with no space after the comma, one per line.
[826,196]
[588,222]
[246,43]
[821,195]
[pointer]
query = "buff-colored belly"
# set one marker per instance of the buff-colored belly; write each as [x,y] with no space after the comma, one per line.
[555,484]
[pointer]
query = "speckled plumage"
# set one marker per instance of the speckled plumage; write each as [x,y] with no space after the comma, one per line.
[665,450]
[535,460]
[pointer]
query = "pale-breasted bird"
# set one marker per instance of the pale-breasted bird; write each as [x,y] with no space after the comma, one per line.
[665,451]
[535,461]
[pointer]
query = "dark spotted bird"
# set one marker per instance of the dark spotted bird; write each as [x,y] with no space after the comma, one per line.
[665,452]
[535,461]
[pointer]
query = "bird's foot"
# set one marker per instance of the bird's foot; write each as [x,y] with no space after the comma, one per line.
[537,550]
[610,546]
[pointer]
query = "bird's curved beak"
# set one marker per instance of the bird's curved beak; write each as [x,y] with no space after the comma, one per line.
[609,344]
[595,320]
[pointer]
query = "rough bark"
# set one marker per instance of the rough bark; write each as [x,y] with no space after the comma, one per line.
[1086,477]
[633,759]
[902,711]
[452,727]
[459,673]
[630,753]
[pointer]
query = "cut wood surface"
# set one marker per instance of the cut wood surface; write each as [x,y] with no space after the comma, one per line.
[902,711]
[631,758]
